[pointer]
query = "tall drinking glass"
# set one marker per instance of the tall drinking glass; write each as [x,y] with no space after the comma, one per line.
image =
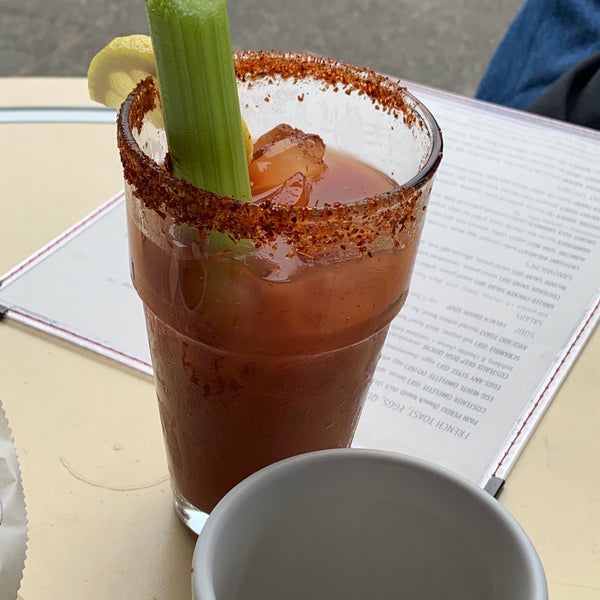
[266,321]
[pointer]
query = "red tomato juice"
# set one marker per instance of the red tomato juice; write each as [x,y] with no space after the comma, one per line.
[263,356]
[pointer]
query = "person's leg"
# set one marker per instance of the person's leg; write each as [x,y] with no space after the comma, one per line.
[575,96]
[544,40]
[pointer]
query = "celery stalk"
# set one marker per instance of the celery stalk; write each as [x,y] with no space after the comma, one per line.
[196,78]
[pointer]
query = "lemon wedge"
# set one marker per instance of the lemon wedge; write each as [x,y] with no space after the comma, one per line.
[120,66]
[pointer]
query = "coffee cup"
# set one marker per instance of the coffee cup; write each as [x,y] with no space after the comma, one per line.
[354,524]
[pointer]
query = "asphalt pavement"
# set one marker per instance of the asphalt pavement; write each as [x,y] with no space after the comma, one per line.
[443,43]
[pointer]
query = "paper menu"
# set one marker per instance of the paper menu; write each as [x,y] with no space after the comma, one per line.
[77,287]
[504,291]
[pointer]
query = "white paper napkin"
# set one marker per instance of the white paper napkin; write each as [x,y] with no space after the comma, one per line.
[13,516]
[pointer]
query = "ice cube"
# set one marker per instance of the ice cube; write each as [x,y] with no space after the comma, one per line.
[295,191]
[281,153]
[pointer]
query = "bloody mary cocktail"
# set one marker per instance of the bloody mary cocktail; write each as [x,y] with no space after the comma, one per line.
[266,318]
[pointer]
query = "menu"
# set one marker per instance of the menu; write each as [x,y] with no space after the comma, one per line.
[504,294]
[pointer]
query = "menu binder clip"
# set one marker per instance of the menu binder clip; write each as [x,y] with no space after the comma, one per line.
[494,486]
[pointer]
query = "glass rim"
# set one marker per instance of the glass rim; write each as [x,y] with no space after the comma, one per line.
[392,210]
[382,89]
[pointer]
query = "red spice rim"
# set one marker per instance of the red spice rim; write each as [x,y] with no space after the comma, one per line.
[255,65]
[383,91]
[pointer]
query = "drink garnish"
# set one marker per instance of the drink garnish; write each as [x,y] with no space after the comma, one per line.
[198,89]
[117,68]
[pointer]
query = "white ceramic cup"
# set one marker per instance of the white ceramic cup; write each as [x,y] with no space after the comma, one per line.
[363,524]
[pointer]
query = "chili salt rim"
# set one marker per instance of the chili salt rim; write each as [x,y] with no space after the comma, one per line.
[382,90]
[307,229]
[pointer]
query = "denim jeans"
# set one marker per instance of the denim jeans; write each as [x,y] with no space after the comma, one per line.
[543,41]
